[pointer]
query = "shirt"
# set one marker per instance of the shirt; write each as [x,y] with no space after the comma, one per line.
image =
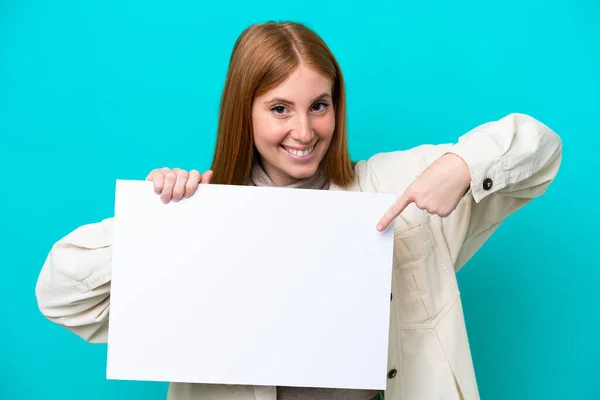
[298,393]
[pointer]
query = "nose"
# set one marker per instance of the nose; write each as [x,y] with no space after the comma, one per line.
[302,131]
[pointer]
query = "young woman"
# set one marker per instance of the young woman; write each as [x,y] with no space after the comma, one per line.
[283,123]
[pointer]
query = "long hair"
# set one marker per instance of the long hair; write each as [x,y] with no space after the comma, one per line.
[263,56]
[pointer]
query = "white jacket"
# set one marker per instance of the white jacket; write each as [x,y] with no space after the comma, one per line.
[511,161]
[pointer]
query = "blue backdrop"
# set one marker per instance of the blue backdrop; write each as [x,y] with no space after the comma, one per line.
[94,92]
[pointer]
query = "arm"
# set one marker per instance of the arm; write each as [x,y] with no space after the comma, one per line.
[73,288]
[511,162]
[507,163]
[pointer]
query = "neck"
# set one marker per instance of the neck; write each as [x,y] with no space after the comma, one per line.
[260,178]
[283,181]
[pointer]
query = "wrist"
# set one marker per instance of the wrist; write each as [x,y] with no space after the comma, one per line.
[463,170]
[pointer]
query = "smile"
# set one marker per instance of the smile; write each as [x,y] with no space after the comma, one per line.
[299,153]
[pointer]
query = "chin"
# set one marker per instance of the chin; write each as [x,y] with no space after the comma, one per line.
[302,172]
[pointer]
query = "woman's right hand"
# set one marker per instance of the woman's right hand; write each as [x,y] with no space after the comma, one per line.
[175,184]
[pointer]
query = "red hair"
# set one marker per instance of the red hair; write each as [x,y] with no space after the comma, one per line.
[263,57]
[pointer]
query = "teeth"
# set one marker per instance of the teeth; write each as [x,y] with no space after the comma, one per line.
[299,153]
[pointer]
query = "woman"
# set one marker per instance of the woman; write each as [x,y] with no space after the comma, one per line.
[283,123]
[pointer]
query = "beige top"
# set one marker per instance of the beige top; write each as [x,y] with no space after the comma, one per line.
[511,161]
[298,393]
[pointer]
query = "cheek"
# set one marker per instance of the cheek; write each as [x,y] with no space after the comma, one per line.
[325,126]
[266,132]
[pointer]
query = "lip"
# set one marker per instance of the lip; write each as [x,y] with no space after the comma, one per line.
[300,158]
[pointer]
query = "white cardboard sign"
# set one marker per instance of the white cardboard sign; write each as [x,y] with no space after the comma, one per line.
[247,285]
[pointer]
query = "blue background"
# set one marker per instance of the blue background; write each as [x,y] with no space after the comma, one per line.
[94,92]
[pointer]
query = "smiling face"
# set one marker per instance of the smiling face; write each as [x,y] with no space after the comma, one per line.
[293,125]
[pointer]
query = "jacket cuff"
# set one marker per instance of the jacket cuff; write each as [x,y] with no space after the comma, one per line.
[484,159]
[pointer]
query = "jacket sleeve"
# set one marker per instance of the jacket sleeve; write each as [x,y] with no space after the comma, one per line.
[511,161]
[73,288]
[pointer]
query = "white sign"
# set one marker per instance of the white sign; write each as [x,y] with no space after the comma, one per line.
[247,285]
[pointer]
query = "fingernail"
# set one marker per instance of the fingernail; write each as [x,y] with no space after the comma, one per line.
[379,227]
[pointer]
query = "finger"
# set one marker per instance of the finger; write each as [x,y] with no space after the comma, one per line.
[192,183]
[395,210]
[167,190]
[206,177]
[179,187]
[157,178]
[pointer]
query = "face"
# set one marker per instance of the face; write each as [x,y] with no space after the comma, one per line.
[293,125]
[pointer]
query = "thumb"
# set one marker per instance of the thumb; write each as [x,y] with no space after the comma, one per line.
[206,177]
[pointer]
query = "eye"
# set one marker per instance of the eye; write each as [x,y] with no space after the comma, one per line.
[279,110]
[320,106]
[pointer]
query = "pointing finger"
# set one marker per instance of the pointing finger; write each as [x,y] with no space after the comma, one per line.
[395,210]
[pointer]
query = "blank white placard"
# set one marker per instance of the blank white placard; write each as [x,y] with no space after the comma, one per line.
[247,285]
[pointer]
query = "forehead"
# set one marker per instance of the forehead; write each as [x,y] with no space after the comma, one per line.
[304,83]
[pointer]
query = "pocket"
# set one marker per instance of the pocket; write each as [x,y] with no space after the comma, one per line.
[424,285]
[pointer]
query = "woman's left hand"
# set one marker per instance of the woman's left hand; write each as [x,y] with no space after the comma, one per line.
[437,190]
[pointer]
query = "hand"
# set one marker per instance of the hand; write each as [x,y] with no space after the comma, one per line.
[176,184]
[437,190]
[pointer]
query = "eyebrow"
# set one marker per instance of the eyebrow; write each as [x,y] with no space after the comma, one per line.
[291,103]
